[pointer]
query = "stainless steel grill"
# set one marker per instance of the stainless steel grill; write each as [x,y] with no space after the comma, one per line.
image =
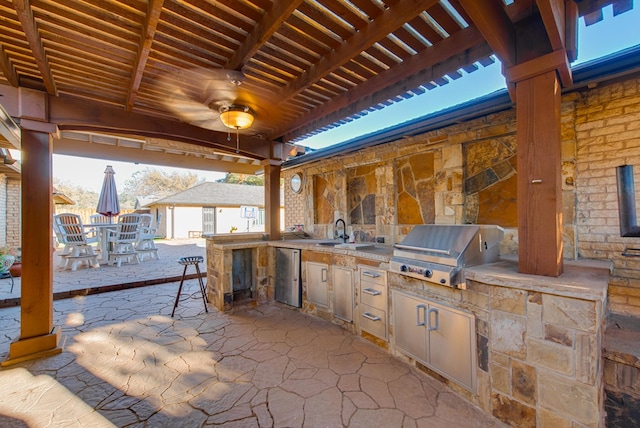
[438,253]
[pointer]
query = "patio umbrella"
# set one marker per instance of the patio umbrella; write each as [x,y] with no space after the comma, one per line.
[108,203]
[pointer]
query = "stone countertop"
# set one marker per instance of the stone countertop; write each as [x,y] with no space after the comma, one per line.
[376,252]
[582,279]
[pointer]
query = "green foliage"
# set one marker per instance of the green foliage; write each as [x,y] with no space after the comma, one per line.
[250,180]
[84,198]
[158,183]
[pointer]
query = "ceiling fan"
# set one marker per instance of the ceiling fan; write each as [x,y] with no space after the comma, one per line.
[215,99]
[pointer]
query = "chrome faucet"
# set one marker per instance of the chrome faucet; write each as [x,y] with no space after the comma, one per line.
[344,229]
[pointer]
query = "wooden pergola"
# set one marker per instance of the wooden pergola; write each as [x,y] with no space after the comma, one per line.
[152,75]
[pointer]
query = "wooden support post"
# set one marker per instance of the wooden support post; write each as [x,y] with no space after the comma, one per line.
[38,337]
[539,175]
[272,198]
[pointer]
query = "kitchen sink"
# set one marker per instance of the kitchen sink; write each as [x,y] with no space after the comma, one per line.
[355,246]
[328,243]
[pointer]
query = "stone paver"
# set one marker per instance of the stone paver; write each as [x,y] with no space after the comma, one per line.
[127,363]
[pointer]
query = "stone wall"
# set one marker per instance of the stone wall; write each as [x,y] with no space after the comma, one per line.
[474,180]
[3,210]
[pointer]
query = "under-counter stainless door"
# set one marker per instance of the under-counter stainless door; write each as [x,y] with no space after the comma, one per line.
[288,284]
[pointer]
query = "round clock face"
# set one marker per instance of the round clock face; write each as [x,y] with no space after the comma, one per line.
[296,183]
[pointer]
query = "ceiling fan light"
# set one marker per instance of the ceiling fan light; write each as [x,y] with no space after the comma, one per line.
[236,117]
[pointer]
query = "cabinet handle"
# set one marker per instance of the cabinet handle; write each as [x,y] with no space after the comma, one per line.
[418,322]
[371,274]
[367,315]
[371,291]
[324,275]
[429,312]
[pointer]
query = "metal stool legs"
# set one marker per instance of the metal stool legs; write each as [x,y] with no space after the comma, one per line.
[186,261]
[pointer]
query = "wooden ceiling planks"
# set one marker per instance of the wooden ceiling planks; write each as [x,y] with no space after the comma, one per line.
[317,62]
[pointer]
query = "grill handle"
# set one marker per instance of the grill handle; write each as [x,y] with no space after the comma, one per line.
[422,249]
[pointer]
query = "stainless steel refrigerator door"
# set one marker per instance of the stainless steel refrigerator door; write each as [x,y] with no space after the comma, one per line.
[288,284]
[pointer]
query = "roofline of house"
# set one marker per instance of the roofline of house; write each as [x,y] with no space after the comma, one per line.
[608,67]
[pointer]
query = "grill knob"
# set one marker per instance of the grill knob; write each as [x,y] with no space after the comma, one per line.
[428,273]
[403,268]
[443,281]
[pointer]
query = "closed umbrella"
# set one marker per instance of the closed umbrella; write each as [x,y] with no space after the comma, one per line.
[108,203]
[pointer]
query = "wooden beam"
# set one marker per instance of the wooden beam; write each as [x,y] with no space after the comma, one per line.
[30,28]
[556,60]
[391,19]
[148,33]
[552,14]
[539,184]
[156,156]
[7,68]
[496,27]
[272,199]
[571,30]
[70,114]
[447,56]
[38,337]
[279,12]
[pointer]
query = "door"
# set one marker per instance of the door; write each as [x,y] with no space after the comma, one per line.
[208,220]
[318,283]
[288,284]
[343,293]
[451,345]
[409,325]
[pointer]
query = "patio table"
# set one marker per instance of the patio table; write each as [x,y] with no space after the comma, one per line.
[103,238]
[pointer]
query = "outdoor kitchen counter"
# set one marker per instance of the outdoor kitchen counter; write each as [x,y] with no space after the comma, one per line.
[582,279]
[378,252]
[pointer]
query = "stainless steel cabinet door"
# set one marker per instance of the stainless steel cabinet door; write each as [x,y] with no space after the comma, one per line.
[343,293]
[318,284]
[409,328]
[451,347]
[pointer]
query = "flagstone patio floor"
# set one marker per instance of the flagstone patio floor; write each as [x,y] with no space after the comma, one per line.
[127,363]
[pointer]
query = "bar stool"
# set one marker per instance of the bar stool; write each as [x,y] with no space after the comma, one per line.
[186,261]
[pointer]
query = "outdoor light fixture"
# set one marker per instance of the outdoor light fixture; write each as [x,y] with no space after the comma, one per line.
[236,117]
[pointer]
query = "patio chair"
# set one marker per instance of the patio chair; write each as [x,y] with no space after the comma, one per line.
[99,218]
[123,239]
[77,242]
[145,244]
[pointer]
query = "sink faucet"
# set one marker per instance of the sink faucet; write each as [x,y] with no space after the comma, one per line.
[344,229]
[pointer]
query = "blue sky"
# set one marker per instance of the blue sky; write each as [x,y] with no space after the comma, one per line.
[610,35]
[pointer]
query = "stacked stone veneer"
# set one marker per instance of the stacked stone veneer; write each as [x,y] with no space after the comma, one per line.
[475,172]
[220,268]
[538,351]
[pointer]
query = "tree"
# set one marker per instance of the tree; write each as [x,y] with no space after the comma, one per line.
[250,180]
[84,198]
[158,183]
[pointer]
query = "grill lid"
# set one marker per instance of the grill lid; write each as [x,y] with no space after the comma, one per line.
[438,252]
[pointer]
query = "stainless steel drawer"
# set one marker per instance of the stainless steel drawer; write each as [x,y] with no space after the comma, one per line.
[373,321]
[373,275]
[373,294]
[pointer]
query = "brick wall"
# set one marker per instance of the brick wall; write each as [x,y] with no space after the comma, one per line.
[607,124]
[14,213]
[3,210]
